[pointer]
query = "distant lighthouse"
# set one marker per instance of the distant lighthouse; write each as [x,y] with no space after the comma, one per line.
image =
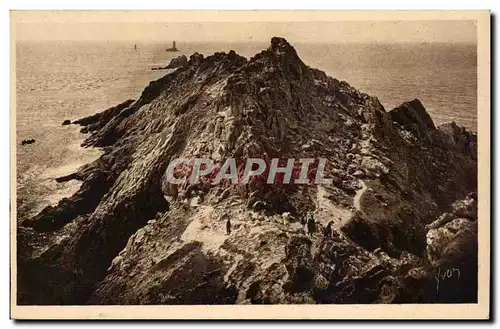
[174,48]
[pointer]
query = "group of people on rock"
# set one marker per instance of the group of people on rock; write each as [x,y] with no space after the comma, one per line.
[310,223]
[311,226]
[306,220]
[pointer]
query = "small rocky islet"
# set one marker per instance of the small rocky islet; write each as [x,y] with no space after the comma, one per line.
[401,209]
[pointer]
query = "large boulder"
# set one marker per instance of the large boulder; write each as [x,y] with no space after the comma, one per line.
[180,61]
[452,250]
[452,241]
[454,235]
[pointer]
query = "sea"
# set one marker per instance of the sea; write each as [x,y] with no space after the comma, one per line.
[59,80]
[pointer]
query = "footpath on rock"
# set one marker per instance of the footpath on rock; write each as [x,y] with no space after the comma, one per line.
[402,197]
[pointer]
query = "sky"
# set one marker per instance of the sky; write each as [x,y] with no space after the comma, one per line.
[153,28]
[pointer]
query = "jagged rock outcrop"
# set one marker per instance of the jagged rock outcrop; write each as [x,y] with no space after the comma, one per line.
[175,63]
[99,120]
[412,116]
[179,61]
[137,239]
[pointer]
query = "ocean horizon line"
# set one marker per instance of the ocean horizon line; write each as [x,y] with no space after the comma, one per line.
[167,42]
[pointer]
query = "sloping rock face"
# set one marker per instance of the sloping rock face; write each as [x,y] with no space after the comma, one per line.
[130,237]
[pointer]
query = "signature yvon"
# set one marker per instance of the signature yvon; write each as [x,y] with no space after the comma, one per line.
[448,274]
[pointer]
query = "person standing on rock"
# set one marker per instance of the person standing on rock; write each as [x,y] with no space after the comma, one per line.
[311,225]
[328,230]
[228,226]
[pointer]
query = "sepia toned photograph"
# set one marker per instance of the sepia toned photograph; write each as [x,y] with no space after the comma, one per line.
[318,164]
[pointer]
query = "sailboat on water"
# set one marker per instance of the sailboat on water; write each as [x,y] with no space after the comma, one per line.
[173,48]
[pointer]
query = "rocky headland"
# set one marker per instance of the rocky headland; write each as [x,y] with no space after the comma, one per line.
[176,62]
[402,201]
